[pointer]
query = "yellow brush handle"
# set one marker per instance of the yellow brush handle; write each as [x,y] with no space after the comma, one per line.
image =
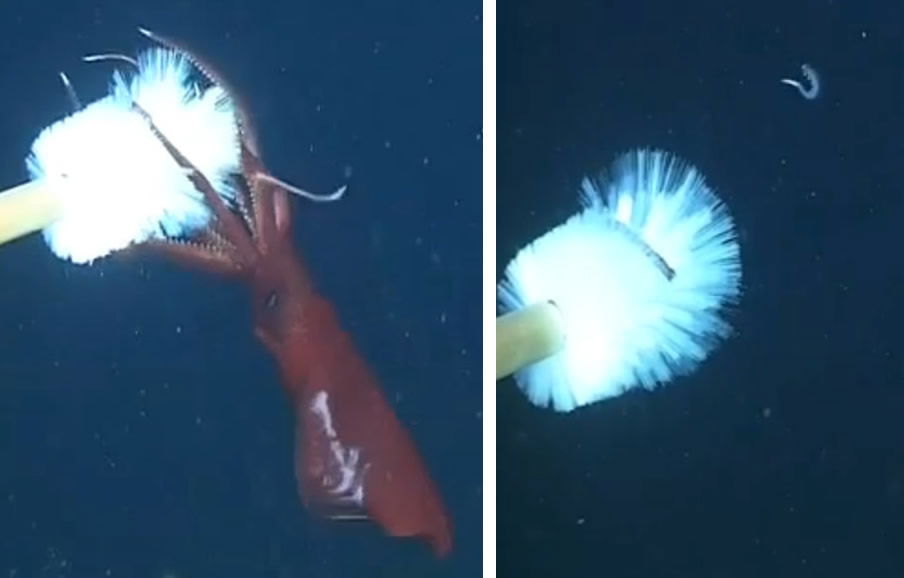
[25,209]
[527,336]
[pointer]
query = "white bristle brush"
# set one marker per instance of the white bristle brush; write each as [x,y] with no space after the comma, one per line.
[630,292]
[101,180]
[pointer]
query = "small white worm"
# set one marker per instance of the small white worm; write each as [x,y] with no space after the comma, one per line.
[812,78]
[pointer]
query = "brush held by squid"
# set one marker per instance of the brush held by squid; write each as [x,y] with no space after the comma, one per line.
[100,180]
[632,291]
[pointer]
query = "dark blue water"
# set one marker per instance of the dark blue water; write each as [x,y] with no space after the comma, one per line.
[143,432]
[784,455]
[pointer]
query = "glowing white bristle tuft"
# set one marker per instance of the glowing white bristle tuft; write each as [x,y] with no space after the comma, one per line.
[116,182]
[641,278]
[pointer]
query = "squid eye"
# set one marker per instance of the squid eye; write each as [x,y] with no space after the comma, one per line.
[272,300]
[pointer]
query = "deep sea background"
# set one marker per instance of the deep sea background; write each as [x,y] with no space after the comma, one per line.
[783,456]
[143,431]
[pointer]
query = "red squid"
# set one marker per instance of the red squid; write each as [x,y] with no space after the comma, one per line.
[353,459]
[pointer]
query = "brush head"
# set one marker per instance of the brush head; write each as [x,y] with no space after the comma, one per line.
[115,181]
[641,276]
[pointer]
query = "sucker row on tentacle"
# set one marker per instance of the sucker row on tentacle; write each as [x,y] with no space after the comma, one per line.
[212,237]
[212,258]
